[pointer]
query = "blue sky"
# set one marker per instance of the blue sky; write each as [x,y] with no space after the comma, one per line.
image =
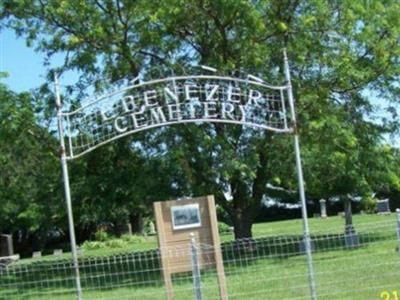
[23,64]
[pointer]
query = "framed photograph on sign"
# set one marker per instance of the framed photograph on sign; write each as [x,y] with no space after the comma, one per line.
[185,216]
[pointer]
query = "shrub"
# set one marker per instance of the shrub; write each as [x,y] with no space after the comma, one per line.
[101,236]
[115,243]
[92,245]
[369,205]
[223,228]
[131,238]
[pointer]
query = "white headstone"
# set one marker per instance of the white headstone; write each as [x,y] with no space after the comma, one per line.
[57,252]
[36,254]
[129,228]
[152,229]
[322,204]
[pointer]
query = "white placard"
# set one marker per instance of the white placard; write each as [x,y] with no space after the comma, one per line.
[185,216]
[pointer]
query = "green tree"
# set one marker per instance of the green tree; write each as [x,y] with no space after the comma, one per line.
[339,52]
[117,184]
[29,189]
[391,191]
[347,156]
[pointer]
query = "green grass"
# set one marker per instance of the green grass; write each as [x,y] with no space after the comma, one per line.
[272,271]
[290,227]
[330,225]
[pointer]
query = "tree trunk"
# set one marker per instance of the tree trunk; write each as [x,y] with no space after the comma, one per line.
[349,228]
[242,221]
[137,223]
[352,239]
[83,232]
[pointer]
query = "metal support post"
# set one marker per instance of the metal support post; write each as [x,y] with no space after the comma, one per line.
[195,269]
[307,238]
[64,167]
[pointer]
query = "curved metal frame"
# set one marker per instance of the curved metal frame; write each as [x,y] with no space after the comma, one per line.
[154,81]
[289,130]
[174,80]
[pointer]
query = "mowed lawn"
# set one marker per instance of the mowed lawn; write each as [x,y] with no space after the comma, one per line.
[278,228]
[362,273]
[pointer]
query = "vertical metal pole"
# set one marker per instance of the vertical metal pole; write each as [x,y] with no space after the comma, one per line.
[306,230]
[398,228]
[195,269]
[64,168]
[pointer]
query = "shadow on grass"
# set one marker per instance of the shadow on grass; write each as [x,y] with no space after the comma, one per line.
[283,247]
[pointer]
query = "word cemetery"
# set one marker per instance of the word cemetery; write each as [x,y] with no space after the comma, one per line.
[176,100]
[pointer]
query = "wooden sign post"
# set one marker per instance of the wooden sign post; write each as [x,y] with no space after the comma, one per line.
[176,221]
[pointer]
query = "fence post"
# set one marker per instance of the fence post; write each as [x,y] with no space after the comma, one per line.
[67,192]
[300,179]
[398,229]
[195,268]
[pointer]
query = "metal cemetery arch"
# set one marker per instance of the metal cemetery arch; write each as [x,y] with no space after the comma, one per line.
[176,100]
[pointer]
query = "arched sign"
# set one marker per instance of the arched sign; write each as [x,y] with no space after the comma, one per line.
[174,100]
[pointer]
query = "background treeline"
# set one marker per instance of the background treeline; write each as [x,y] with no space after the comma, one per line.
[345,61]
[105,193]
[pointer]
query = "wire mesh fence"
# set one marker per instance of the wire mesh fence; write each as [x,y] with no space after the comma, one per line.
[358,266]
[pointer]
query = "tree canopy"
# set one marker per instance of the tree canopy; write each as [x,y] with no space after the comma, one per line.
[29,171]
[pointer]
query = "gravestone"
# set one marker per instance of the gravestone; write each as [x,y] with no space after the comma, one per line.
[57,252]
[6,245]
[322,204]
[37,254]
[152,228]
[129,228]
[383,207]
[4,261]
